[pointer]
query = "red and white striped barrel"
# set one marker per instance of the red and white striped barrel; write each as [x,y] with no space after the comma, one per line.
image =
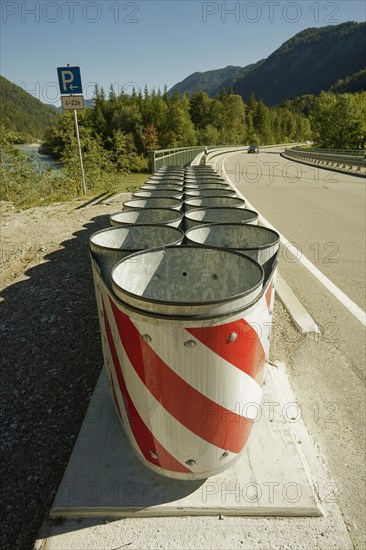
[187,391]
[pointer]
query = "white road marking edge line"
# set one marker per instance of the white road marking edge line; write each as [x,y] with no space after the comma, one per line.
[352,307]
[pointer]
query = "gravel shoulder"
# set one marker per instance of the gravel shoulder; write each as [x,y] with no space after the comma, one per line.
[50,353]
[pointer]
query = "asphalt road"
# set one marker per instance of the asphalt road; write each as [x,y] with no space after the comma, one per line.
[320,211]
[323,214]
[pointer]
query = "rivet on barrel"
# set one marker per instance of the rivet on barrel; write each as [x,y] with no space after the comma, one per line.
[191,462]
[147,338]
[225,454]
[232,337]
[153,454]
[190,344]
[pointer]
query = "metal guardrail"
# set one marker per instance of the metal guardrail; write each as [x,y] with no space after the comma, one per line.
[352,152]
[183,155]
[170,157]
[349,162]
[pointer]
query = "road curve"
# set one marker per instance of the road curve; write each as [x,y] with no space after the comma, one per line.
[320,211]
[323,214]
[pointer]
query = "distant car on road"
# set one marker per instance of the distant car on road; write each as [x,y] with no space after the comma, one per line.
[253,149]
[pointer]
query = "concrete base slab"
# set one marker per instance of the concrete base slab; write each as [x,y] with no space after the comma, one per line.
[104,478]
[192,533]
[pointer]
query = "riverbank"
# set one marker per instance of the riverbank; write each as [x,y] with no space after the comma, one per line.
[42,181]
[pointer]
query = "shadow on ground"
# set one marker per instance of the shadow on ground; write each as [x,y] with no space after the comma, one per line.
[51,357]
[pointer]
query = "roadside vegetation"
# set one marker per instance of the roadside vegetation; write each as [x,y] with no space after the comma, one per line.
[119,133]
[27,182]
[155,120]
[339,121]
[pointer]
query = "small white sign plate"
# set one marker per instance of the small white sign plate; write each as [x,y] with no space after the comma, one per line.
[73,102]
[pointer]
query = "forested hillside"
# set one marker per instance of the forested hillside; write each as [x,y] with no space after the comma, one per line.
[23,114]
[353,83]
[212,82]
[312,61]
[154,120]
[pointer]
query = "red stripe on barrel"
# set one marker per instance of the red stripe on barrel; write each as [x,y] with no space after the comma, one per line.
[199,414]
[144,438]
[246,352]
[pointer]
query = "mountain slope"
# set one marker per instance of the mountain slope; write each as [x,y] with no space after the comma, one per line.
[311,61]
[22,113]
[210,82]
[350,84]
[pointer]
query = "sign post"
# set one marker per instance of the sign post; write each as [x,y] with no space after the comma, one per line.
[70,84]
[80,155]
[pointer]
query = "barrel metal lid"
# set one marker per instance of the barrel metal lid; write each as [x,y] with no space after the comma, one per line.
[221,214]
[237,236]
[146,216]
[187,281]
[134,237]
[154,203]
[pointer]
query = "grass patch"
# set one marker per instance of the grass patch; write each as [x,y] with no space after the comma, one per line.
[132,182]
[40,188]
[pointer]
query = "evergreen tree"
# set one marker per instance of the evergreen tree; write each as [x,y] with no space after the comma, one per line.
[262,123]
[200,108]
[179,130]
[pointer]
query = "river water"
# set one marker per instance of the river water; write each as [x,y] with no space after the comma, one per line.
[45,160]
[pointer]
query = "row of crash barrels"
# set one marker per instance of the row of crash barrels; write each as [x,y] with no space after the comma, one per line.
[185,283]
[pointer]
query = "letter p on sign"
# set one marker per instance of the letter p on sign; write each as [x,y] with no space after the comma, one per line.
[70,80]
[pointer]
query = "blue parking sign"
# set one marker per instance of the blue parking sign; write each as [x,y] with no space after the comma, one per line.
[70,80]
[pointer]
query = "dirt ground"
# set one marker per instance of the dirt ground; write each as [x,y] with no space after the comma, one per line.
[51,352]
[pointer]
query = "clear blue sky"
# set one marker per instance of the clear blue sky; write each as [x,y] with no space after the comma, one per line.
[148,42]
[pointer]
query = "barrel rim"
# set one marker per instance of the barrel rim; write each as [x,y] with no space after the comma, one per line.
[225,224]
[232,192]
[176,320]
[204,181]
[172,210]
[177,202]
[176,194]
[129,227]
[155,187]
[186,303]
[187,214]
[238,200]
[202,185]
